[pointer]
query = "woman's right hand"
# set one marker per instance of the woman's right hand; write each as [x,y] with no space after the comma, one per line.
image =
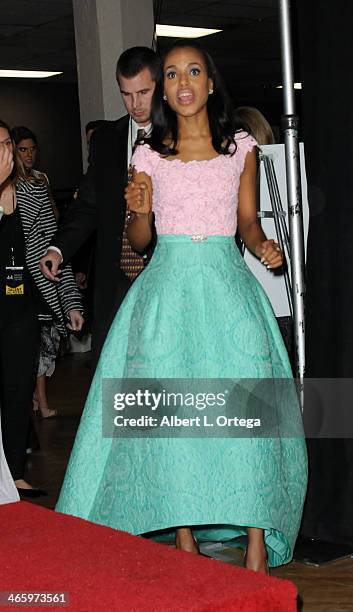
[138,199]
[6,162]
[138,195]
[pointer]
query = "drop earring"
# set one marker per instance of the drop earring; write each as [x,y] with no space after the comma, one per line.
[210,91]
[164,97]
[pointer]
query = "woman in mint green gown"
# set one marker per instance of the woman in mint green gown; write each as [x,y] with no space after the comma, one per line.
[195,312]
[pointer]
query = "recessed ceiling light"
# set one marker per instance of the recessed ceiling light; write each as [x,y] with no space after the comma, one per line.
[296,86]
[27,74]
[182,32]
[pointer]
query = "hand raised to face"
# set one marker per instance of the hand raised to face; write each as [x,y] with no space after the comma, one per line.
[6,162]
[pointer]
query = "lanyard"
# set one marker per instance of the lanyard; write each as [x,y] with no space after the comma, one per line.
[13,229]
[13,212]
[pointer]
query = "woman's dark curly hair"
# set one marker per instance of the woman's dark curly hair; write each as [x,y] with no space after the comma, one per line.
[222,118]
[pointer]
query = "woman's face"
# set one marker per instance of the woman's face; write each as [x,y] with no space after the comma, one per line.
[27,150]
[5,138]
[186,82]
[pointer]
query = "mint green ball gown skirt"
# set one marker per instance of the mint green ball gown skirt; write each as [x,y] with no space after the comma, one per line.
[196,311]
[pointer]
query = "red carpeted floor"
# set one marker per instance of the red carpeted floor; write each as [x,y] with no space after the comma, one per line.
[104,570]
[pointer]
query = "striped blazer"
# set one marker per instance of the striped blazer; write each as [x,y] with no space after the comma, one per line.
[39,225]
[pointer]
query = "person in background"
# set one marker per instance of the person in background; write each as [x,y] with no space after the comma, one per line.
[26,227]
[8,491]
[256,124]
[83,265]
[91,127]
[27,148]
[82,261]
[100,205]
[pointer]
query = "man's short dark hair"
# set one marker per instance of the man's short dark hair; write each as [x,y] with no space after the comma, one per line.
[22,133]
[133,60]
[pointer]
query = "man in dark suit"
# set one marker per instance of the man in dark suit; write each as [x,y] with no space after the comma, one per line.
[100,204]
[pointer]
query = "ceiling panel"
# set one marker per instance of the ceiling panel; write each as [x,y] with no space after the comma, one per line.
[34,12]
[38,34]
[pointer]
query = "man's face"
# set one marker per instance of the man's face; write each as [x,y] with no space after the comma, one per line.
[137,95]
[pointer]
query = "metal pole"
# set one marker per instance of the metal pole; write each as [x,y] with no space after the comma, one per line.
[279,219]
[290,128]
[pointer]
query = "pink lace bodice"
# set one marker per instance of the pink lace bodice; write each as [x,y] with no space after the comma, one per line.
[195,197]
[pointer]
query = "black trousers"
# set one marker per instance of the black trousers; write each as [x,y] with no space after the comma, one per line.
[99,334]
[19,352]
[100,327]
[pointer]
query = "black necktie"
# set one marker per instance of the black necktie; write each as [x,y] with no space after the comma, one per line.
[140,137]
[131,262]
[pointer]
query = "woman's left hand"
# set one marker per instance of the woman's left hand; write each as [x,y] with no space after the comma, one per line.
[76,320]
[270,254]
[6,162]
